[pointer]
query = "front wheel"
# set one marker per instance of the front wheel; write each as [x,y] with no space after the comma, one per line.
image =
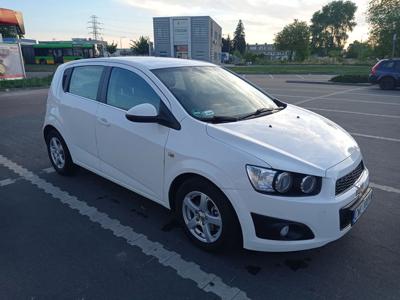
[206,215]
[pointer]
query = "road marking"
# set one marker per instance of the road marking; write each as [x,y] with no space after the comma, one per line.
[270,76]
[385,188]
[299,76]
[328,95]
[340,99]
[376,94]
[49,170]
[207,282]
[353,112]
[7,181]
[375,137]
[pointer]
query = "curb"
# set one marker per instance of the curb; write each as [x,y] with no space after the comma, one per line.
[329,83]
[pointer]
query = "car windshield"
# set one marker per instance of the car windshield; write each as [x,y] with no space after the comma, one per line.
[212,93]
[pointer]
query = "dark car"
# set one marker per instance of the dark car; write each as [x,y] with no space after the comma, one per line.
[386,73]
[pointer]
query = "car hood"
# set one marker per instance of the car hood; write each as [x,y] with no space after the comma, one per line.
[293,139]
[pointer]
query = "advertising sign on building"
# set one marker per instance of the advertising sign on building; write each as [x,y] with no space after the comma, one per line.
[11,62]
[181,31]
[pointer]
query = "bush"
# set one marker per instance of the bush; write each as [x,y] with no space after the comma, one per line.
[350,78]
[26,83]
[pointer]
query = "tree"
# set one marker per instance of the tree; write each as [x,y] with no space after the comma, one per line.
[111,48]
[294,37]
[330,26]
[8,31]
[239,40]
[359,50]
[227,44]
[141,46]
[383,17]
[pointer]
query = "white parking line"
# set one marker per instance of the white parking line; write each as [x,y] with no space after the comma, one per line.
[49,170]
[328,95]
[377,95]
[189,270]
[270,76]
[353,112]
[375,137]
[7,181]
[299,76]
[385,188]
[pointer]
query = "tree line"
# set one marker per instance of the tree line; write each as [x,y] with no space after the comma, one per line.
[328,32]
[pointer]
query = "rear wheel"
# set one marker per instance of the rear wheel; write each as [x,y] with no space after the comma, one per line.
[206,215]
[59,154]
[387,83]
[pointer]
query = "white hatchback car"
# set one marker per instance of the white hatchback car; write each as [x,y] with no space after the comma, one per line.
[233,163]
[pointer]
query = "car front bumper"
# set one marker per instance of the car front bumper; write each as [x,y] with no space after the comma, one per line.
[321,214]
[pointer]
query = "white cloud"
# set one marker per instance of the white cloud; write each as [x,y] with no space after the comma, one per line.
[262,18]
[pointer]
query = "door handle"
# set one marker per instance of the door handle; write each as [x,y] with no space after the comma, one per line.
[103,121]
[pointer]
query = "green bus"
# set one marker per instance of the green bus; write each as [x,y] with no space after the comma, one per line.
[61,52]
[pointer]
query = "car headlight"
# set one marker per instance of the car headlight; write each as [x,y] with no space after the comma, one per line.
[283,183]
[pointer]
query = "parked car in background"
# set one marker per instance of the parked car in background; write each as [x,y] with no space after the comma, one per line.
[233,163]
[386,73]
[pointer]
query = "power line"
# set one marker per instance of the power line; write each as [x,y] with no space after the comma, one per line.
[95,27]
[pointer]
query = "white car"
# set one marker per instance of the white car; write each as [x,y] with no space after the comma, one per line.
[235,164]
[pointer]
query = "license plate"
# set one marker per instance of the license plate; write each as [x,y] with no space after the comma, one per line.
[362,206]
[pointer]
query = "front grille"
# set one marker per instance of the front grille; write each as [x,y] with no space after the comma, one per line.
[345,182]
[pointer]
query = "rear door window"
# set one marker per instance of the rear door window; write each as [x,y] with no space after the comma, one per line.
[85,81]
[387,65]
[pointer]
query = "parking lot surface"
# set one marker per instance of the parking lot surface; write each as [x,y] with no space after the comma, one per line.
[83,237]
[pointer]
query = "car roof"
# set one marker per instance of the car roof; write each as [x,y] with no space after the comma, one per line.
[148,62]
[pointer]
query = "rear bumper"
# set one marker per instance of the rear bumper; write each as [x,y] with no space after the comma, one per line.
[373,79]
[319,214]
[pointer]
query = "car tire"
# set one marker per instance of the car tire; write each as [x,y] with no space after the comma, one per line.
[200,207]
[387,83]
[59,154]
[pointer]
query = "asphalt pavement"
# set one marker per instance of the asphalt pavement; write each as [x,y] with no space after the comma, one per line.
[83,237]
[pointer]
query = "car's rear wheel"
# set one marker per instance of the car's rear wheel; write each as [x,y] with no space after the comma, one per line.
[206,215]
[59,154]
[387,83]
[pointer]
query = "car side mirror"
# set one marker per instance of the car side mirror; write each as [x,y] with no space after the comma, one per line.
[147,113]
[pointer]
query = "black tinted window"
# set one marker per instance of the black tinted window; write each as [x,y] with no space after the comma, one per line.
[387,65]
[127,89]
[65,78]
[85,81]
[397,68]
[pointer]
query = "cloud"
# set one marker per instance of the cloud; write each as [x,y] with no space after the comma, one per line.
[262,18]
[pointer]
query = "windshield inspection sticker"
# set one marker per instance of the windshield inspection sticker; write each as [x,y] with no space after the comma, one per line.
[203,114]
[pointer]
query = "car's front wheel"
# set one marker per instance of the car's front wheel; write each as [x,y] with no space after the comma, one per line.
[59,154]
[387,83]
[206,215]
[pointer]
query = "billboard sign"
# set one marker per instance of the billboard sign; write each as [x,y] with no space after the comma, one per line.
[12,17]
[11,62]
[181,31]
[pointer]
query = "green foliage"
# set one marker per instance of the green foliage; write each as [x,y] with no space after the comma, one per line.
[141,46]
[359,50]
[239,39]
[8,31]
[351,78]
[26,83]
[384,19]
[111,48]
[330,26]
[303,69]
[294,37]
[227,44]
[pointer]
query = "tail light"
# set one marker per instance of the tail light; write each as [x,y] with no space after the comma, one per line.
[374,68]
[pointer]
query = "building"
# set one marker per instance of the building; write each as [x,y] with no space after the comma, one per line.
[188,37]
[269,51]
[11,23]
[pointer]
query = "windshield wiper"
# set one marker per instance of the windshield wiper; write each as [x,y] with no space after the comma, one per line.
[219,119]
[260,112]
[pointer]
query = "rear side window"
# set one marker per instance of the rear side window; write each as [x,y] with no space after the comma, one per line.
[66,78]
[387,65]
[85,81]
[127,89]
[397,68]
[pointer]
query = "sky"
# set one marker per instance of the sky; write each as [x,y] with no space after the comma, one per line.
[125,20]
